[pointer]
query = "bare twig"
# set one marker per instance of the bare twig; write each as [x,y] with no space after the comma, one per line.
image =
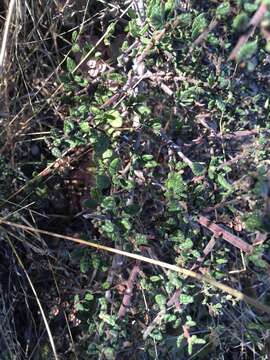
[239,134]
[220,231]
[129,291]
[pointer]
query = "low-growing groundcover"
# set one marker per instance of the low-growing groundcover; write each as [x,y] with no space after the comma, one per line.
[142,126]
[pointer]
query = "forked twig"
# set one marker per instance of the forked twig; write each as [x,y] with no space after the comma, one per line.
[219,231]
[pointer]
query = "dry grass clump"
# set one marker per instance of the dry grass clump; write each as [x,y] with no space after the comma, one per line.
[34,45]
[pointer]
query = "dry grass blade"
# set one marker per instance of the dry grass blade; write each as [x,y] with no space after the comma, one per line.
[37,300]
[202,278]
[5,35]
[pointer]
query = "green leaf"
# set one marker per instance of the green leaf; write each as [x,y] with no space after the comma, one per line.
[108,203]
[109,319]
[224,183]
[186,299]
[107,154]
[83,109]
[89,297]
[108,227]
[250,7]
[81,81]
[101,142]
[71,65]
[266,2]
[106,285]
[174,279]
[175,185]
[143,110]
[160,300]
[79,306]
[156,13]
[56,152]
[240,22]
[190,346]
[190,322]
[75,48]
[199,24]
[74,36]
[109,32]
[247,51]
[254,222]
[109,353]
[185,19]
[132,209]
[221,261]
[140,239]
[125,222]
[114,118]
[150,164]
[186,245]
[194,340]
[114,166]
[103,182]
[147,157]
[211,172]
[198,169]
[95,261]
[90,204]
[68,126]
[221,105]
[223,9]
[85,126]
[133,28]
